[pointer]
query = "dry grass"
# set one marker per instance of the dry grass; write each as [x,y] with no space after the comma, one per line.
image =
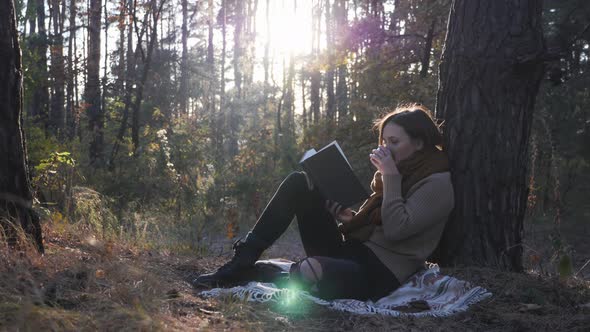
[83,283]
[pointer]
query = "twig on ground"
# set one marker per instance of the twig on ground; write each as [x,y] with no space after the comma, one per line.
[583,266]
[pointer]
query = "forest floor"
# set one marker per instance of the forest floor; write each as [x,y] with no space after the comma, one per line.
[84,284]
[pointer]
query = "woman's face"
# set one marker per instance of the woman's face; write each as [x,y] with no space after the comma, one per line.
[397,140]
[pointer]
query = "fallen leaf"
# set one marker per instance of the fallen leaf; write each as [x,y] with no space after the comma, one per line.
[99,274]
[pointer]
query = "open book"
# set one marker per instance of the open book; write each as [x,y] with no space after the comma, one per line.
[331,172]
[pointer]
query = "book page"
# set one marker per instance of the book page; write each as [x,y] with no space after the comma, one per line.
[342,153]
[327,146]
[339,150]
[308,154]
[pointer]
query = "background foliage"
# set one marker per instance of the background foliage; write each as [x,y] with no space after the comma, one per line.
[213,142]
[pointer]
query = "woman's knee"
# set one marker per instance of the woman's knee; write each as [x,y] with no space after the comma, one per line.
[330,278]
[310,270]
[297,181]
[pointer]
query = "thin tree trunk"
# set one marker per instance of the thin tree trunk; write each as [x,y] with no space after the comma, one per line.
[315,76]
[223,55]
[315,95]
[238,46]
[425,63]
[136,109]
[212,88]
[340,13]
[222,106]
[92,91]
[211,30]
[76,127]
[250,42]
[106,59]
[129,81]
[120,84]
[16,198]
[39,105]
[183,95]
[70,105]
[489,76]
[304,106]
[394,18]
[57,71]
[266,59]
[329,77]
[238,64]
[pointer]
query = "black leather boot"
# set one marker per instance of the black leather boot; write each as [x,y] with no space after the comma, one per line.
[238,269]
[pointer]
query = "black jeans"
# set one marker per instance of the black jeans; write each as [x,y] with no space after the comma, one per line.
[349,268]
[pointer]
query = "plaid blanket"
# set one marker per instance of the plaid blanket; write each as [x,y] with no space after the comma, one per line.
[427,293]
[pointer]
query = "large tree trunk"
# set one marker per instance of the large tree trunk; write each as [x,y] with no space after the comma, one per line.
[15,191]
[489,76]
[92,91]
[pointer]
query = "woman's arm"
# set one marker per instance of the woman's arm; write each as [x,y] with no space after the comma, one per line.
[429,204]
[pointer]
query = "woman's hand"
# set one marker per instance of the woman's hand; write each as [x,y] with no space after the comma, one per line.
[340,214]
[382,159]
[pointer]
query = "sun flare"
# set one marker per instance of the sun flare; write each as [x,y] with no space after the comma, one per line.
[289,29]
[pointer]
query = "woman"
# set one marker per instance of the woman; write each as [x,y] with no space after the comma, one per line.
[369,253]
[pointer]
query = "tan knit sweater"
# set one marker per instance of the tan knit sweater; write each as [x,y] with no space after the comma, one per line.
[411,228]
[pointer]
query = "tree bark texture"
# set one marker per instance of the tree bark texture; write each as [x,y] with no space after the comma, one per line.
[490,73]
[15,191]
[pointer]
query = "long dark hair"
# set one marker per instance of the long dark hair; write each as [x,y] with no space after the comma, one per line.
[417,121]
